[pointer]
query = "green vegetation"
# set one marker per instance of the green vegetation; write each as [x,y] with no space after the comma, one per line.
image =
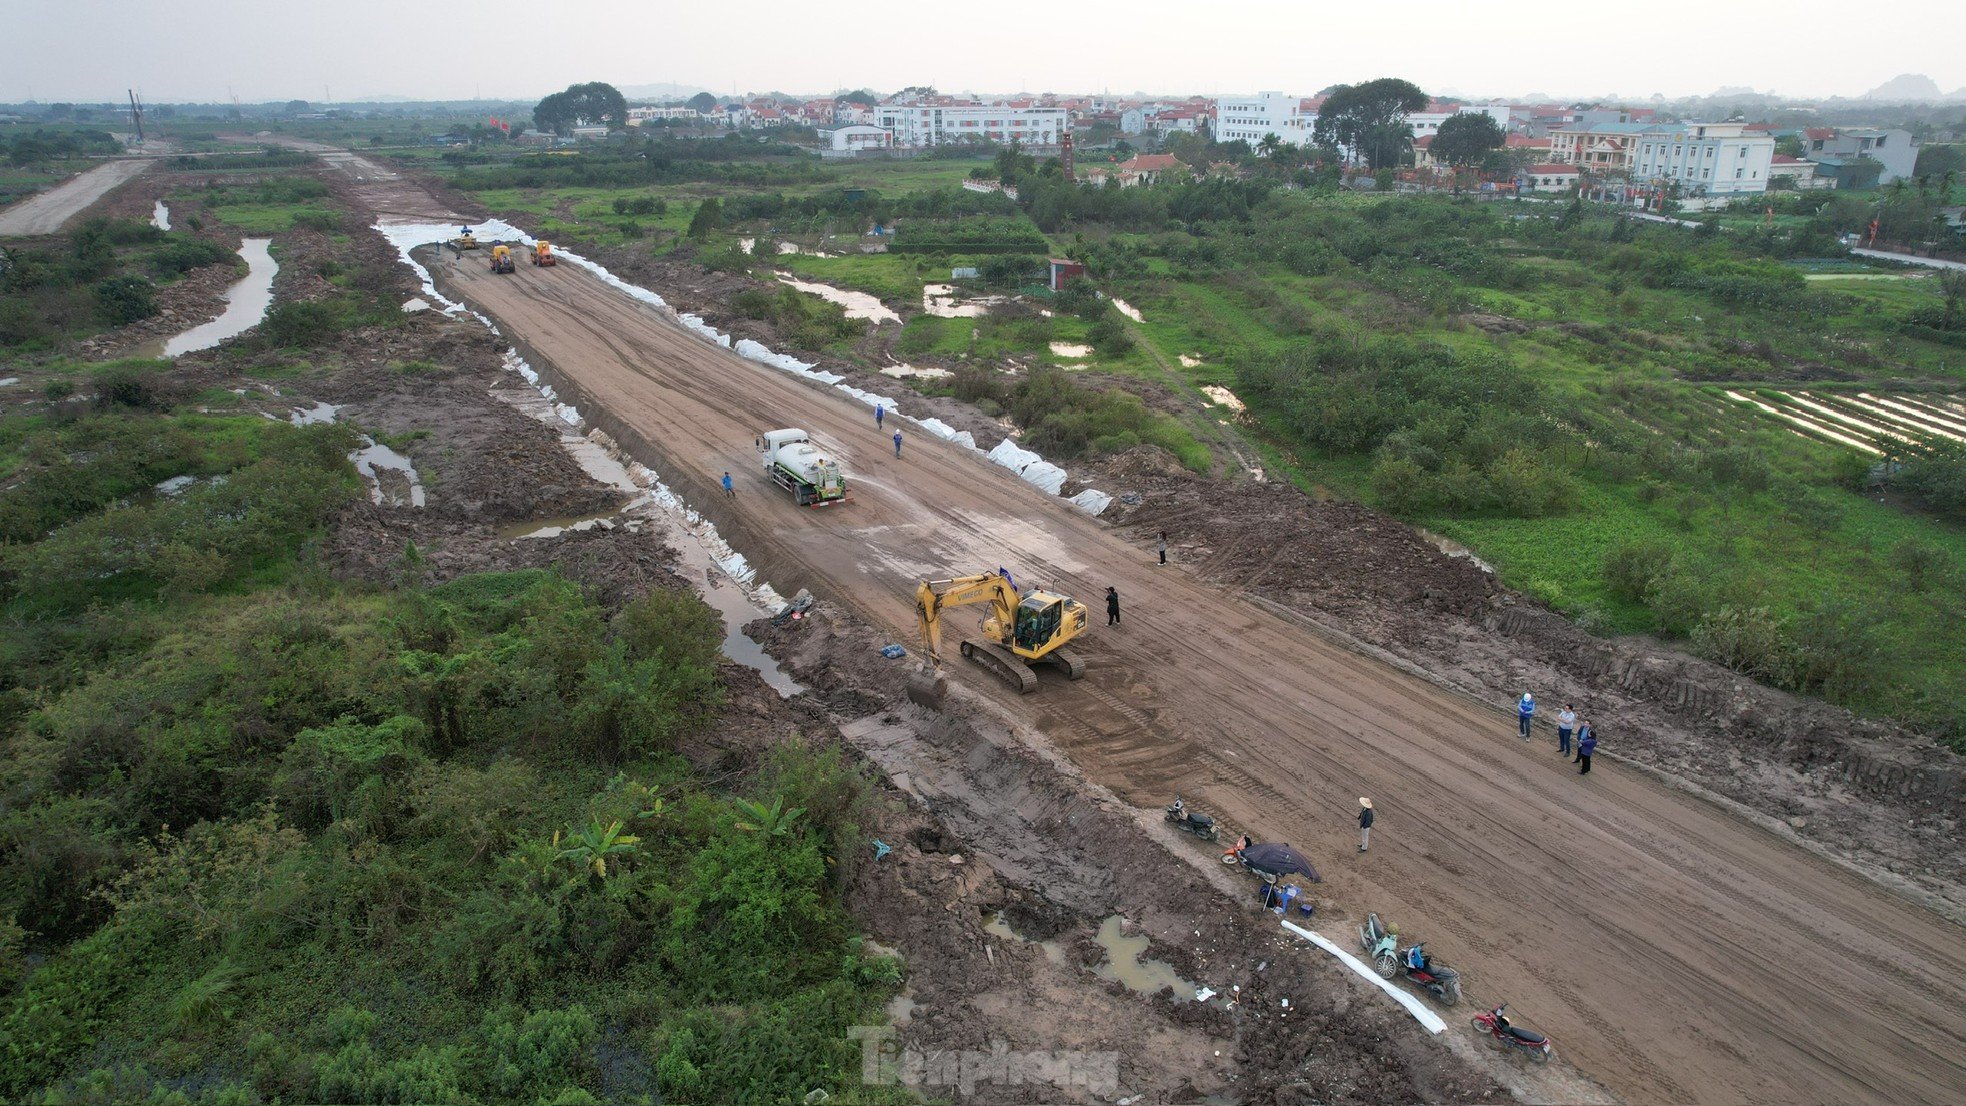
[1545,383]
[105,275]
[272,837]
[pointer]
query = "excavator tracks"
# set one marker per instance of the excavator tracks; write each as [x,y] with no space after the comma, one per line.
[1068,662]
[1006,665]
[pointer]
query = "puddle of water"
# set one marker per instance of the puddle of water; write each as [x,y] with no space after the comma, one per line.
[902,372]
[940,300]
[1126,309]
[160,216]
[415,303]
[554,527]
[1223,397]
[176,485]
[1190,362]
[374,459]
[9,382]
[308,416]
[1123,963]
[1069,349]
[713,584]
[245,305]
[1455,549]
[997,926]
[859,305]
[745,244]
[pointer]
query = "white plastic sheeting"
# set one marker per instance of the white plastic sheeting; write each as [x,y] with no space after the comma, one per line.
[1091,501]
[1414,1006]
[405,237]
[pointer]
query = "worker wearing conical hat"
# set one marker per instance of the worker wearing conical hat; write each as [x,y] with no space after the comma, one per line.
[1364,822]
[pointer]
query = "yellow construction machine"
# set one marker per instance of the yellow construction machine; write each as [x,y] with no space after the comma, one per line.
[1017,632]
[542,253]
[465,240]
[501,259]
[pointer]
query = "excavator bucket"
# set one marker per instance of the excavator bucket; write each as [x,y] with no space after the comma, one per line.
[928,689]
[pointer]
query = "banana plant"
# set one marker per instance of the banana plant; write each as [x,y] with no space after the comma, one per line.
[594,846]
[771,821]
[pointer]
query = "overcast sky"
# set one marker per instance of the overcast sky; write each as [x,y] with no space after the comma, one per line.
[257,50]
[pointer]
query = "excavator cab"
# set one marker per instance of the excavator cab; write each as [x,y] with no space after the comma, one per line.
[1038,619]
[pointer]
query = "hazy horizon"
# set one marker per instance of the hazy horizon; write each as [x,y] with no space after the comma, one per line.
[213,51]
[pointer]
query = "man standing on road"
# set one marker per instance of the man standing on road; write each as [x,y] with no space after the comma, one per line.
[1566,721]
[1112,607]
[1525,709]
[729,492]
[1161,546]
[1364,822]
[1586,745]
[897,445]
[880,412]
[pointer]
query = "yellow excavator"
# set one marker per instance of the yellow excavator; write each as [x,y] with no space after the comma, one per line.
[1017,632]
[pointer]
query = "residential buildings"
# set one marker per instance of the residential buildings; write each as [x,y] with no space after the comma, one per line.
[1799,172]
[942,120]
[1427,123]
[1141,169]
[855,138]
[1895,151]
[641,117]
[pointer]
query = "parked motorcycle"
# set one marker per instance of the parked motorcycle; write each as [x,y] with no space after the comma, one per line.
[1494,1024]
[1382,944]
[1189,821]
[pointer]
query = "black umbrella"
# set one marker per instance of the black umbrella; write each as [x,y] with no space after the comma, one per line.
[1278,860]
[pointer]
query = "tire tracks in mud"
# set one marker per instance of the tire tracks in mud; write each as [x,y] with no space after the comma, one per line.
[1651,933]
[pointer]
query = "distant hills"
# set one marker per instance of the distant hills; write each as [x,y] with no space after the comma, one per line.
[1914,88]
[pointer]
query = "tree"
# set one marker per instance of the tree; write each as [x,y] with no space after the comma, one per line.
[702,103]
[1269,146]
[1466,138]
[768,821]
[1369,120]
[593,103]
[709,216]
[859,96]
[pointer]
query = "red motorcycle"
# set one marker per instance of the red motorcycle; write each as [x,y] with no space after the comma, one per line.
[1496,1025]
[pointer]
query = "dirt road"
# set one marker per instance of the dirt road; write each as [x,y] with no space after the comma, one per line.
[48,212]
[1673,951]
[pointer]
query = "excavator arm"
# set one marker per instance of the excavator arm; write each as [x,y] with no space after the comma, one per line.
[933,596]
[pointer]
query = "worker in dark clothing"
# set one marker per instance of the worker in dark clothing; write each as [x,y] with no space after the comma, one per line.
[897,445]
[1586,747]
[1364,822]
[1161,546]
[880,413]
[1112,607]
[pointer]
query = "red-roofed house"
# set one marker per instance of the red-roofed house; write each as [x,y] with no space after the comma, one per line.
[1795,170]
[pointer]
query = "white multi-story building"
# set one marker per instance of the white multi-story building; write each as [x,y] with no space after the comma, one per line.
[1704,158]
[638,117]
[934,124]
[1425,123]
[1250,118]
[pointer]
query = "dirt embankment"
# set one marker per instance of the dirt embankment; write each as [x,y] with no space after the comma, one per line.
[979,824]
[1855,788]
[999,824]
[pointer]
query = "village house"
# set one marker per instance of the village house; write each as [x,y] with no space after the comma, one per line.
[1553,176]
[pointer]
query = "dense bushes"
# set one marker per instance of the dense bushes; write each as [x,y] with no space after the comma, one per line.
[1450,431]
[97,281]
[803,321]
[1063,418]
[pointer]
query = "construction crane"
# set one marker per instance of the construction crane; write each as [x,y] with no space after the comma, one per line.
[136,115]
[1017,632]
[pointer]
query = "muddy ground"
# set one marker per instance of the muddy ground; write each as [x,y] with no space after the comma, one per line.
[964,851]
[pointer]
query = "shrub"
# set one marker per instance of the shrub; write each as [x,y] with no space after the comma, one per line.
[185,253]
[125,299]
[1635,570]
[300,325]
